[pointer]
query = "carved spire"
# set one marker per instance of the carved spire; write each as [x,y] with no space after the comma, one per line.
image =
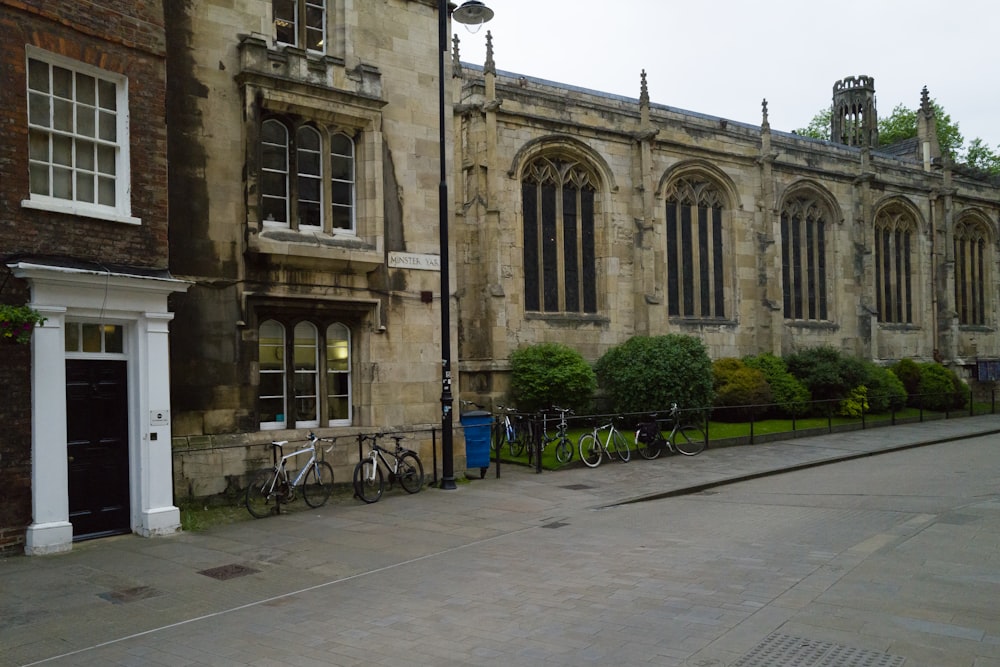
[489,67]
[925,101]
[643,90]
[456,61]
[764,124]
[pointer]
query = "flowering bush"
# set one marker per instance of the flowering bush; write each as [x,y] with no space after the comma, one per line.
[17,323]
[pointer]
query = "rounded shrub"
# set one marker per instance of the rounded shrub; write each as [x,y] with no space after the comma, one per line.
[737,389]
[549,374]
[962,392]
[790,396]
[648,373]
[936,390]
[826,373]
[908,372]
[855,404]
[885,391]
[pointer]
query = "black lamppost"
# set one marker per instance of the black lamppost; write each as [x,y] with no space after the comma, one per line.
[472,12]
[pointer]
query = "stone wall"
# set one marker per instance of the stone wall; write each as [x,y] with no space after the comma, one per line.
[638,149]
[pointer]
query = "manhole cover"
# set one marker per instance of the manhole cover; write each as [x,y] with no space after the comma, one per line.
[230,571]
[788,651]
[129,594]
[576,487]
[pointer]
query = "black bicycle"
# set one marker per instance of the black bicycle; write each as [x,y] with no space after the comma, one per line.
[687,439]
[402,465]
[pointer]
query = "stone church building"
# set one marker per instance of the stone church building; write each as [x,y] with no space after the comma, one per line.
[587,218]
[282,224]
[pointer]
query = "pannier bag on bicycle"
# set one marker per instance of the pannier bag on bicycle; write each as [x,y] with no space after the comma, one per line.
[647,432]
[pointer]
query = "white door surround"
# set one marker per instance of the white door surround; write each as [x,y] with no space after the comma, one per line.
[139,304]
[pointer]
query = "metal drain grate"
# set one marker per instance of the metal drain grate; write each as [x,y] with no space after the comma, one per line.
[126,595]
[787,651]
[576,487]
[230,571]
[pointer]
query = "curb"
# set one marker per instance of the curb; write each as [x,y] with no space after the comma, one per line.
[697,488]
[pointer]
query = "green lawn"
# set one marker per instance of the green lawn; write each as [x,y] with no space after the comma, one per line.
[721,431]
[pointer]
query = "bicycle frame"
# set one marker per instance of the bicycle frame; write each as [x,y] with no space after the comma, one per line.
[268,488]
[281,469]
[379,454]
[564,448]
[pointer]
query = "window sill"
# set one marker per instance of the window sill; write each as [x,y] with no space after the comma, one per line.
[581,318]
[976,328]
[349,250]
[83,211]
[701,321]
[898,326]
[815,325]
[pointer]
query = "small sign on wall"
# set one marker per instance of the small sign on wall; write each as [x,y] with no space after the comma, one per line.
[159,417]
[409,260]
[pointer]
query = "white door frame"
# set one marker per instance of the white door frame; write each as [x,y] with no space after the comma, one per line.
[140,304]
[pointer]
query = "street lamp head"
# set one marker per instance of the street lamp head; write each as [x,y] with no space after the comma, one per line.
[472,12]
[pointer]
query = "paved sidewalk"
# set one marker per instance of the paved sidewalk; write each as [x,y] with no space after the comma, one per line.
[209,598]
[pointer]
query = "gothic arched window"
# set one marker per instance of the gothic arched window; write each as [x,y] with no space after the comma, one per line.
[803,259]
[559,260]
[695,249]
[971,271]
[895,230]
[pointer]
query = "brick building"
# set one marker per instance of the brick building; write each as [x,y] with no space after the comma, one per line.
[83,238]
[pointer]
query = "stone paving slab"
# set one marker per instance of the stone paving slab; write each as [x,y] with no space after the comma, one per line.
[419,578]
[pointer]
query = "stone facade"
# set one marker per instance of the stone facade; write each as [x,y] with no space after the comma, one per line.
[753,239]
[810,254]
[368,269]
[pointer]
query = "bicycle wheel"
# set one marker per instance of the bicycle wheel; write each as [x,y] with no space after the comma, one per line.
[590,450]
[318,484]
[498,435]
[564,450]
[261,492]
[521,440]
[368,483]
[648,450]
[410,472]
[689,440]
[618,445]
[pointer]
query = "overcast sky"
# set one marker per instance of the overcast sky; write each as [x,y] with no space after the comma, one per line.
[723,57]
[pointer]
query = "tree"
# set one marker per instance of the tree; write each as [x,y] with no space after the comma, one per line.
[902,124]
[980,156]
[819,126]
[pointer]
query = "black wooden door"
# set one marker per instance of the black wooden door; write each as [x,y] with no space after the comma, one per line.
[97,447]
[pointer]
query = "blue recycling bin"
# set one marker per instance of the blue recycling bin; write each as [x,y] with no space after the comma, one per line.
[476,424]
